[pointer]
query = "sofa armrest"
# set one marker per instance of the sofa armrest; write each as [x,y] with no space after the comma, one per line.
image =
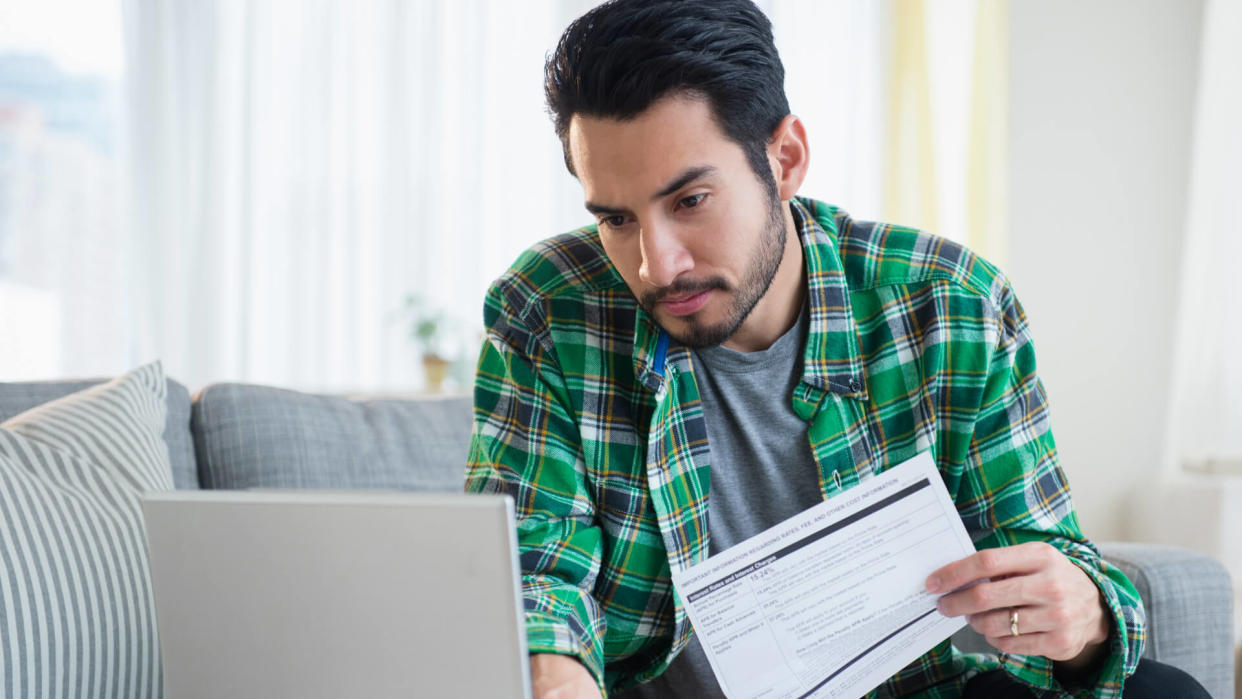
[1189,601]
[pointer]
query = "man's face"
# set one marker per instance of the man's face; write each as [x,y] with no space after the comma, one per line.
[683,217]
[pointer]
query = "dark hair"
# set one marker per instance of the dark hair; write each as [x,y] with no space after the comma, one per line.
[620,57]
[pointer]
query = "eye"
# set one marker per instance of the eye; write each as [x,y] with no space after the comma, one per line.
[692,201]
[612,221]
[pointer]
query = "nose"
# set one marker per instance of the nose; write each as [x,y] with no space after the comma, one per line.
[664,256]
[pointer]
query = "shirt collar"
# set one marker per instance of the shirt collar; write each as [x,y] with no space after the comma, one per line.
[832,359]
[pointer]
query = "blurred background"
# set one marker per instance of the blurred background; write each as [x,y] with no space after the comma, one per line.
[315,194]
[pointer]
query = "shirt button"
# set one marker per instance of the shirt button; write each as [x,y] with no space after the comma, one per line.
[856,385]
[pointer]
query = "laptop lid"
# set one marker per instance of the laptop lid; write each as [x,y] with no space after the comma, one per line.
[321,594]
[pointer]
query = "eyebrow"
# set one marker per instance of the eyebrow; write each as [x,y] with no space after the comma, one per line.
[680,181]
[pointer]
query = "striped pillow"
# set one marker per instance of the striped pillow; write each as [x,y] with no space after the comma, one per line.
[77,616]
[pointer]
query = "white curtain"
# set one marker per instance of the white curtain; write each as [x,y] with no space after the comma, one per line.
[298,167]
[1205,433]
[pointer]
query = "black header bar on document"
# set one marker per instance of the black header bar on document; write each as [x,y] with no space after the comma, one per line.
[809,539]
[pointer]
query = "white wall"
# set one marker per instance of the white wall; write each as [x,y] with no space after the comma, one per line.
[1102,106]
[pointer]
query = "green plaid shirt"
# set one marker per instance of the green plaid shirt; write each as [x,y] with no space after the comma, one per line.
[589,416]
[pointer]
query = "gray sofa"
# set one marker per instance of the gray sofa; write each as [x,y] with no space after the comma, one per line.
[233,436]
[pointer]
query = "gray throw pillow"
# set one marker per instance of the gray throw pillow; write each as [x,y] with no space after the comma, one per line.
[77,615]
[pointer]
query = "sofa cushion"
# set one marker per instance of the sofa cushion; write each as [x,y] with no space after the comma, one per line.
[1188,598]
[259,437]
[77,615]
[17,397]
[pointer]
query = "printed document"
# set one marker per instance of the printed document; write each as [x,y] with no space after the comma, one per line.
[830,603]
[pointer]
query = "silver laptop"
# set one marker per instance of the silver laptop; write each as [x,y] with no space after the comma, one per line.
[321,594]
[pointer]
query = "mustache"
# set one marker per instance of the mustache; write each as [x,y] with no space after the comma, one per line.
[687,287]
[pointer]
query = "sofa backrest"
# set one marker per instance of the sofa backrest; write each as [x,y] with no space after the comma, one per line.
[18,397]
[250,436]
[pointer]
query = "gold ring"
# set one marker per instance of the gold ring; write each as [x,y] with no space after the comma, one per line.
[1013,621]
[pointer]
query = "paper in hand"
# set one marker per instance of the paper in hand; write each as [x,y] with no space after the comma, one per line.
[830,602]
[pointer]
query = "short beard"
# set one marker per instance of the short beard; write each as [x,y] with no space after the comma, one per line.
[753,287]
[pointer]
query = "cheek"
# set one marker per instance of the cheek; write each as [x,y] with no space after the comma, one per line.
[626,256]
[732,227]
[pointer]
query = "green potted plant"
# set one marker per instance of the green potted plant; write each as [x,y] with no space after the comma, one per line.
[427,327]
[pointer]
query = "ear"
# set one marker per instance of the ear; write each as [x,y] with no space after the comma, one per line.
[789,154]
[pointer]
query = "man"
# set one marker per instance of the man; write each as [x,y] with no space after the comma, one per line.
[717,354]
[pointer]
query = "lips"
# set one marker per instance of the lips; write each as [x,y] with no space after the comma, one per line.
[685,305]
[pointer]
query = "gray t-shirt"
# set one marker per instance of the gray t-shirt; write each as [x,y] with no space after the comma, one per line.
[762,468]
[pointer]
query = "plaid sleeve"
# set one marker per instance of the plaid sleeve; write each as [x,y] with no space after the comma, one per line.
[1014,491]
[525,443]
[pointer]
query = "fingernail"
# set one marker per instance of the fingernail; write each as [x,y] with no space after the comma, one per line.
[933,584]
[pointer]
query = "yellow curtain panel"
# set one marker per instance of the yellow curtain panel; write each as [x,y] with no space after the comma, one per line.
[987,189]
[910,191]
[911,188]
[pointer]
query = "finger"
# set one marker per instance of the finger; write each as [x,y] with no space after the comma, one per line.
[989,563]
[1025,644]
[996,623]
[987,596]
[1054,645]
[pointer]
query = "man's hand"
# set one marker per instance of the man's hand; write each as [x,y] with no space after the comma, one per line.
[1061,614]
[561,677]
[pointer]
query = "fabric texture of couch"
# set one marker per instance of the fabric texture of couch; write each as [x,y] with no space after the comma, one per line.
[243,436]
